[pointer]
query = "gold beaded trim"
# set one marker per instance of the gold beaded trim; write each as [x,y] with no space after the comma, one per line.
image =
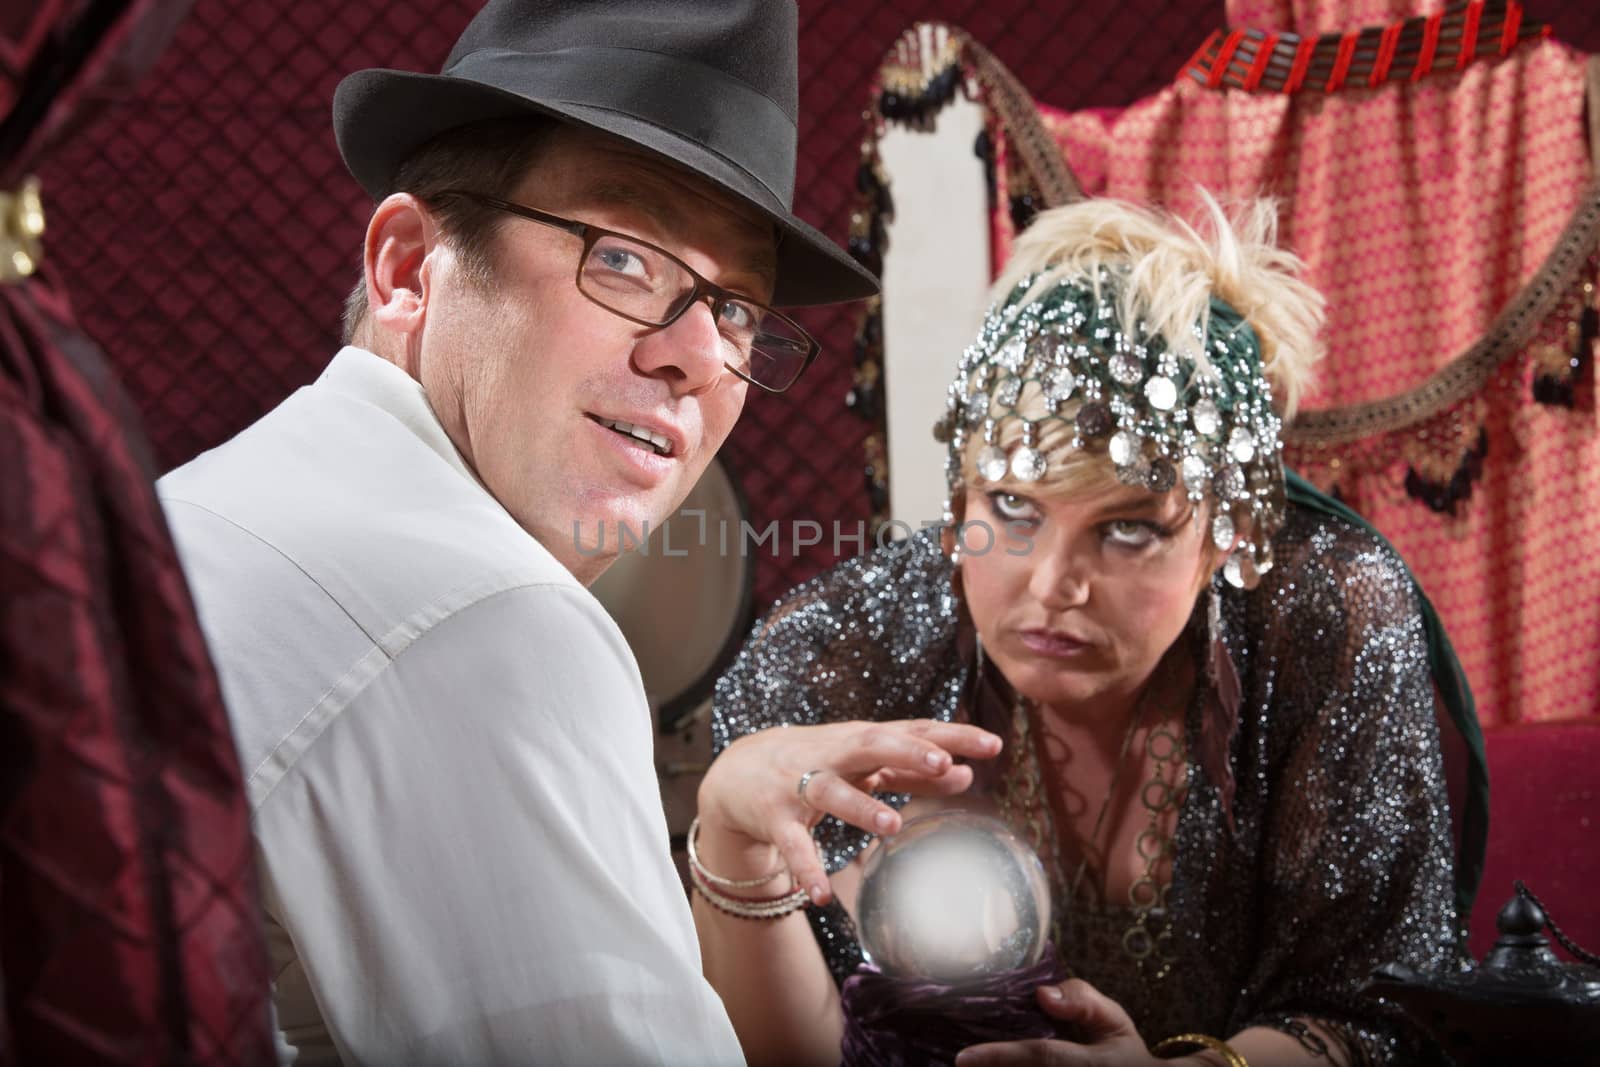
[1456,381]
[21,227]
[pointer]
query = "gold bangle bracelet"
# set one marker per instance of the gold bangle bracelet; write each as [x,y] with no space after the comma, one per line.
[1188,1042]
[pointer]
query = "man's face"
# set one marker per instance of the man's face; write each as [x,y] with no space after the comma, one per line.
[530,377]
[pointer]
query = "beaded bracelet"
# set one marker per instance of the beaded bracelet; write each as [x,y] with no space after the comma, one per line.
[1186,1042]
[711,887]
[745,907]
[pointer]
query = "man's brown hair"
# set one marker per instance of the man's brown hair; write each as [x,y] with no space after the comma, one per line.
[489,157]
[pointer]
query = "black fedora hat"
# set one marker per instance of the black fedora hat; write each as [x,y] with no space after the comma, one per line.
[709,85]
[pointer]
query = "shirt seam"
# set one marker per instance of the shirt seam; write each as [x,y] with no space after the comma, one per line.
[260,789]
[280,553]
[393,643]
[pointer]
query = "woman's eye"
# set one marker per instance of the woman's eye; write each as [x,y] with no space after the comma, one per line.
[1013,508]
[1132,533]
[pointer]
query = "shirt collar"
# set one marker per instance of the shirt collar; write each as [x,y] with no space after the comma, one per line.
[360,374]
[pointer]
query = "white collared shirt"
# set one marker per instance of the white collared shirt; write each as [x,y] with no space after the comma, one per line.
[447,750]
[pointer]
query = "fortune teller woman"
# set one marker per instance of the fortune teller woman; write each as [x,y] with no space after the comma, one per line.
[1205,700]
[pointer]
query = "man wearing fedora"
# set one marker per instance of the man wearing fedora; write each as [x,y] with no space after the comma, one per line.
[582,226]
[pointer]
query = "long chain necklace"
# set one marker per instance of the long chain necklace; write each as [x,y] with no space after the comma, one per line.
[1146,940]
[1025,806]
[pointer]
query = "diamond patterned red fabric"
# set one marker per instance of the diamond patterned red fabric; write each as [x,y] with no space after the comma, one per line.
[129,924]
[208,230]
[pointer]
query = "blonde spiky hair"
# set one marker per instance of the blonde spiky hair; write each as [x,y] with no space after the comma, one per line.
[1170,269]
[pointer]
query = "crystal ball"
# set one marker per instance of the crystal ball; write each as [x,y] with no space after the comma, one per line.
[954,897]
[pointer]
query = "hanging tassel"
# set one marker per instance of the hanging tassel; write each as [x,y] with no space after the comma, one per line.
[1443,494]
[1560,364]
[1025,207]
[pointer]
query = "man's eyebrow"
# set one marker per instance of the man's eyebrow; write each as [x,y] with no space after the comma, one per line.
[623,194]
[669,217]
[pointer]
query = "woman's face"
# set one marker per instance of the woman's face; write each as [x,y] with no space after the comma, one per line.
[1077,597]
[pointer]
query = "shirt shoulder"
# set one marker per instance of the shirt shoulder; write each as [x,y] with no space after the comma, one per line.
[321,543]
[346,494]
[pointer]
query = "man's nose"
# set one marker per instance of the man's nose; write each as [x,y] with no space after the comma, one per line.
[689,353]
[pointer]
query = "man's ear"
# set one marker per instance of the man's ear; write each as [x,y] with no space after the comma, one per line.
[399,238]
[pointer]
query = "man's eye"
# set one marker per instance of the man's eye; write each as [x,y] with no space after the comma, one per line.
[741,318]
[618,260]
[1133,533]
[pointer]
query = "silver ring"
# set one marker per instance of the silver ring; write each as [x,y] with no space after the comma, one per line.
[805,780]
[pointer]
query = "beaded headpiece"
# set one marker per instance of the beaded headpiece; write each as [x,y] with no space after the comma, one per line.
[1066,357]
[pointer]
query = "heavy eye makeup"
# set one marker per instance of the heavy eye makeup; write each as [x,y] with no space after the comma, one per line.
[1134,534]
[1013,507]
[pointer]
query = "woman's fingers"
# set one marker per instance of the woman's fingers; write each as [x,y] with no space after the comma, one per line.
[1037,1053]
[956,779]
[960,739]
[831,794]
[957,738]
[800,855]
[1106,1034]
[889,745]
[910,756]
[1098,1017]
[751,789]
[917,746]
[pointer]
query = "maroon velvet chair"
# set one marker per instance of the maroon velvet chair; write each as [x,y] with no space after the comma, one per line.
[1544,827]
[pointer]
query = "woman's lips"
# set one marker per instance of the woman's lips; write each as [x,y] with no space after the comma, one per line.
[1052,644]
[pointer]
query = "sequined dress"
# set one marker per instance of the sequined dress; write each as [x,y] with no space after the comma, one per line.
[1340,855]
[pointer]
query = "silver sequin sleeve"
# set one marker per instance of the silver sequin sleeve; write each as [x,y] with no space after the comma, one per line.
[1339,857]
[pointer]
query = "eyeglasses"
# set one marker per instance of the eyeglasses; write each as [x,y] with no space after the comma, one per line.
[653,287]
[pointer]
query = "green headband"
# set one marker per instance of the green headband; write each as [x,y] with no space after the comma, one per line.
[1161,415]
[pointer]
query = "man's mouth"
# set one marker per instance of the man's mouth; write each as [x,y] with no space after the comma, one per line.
[648,438]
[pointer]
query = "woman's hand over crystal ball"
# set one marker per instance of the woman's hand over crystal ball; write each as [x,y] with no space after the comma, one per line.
[750,803]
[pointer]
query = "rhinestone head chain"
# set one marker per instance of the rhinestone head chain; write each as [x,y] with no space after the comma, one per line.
[1162,418]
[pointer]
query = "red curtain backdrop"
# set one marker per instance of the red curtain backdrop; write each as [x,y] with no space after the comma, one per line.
[1426,212]
[208,232]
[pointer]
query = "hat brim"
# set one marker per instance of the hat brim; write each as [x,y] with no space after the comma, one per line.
[380,117]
